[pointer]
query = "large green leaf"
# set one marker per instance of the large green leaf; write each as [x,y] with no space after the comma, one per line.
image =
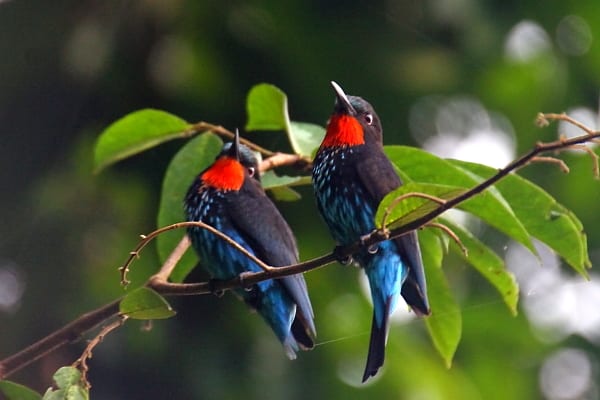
[542,216]
[145,303]
[14,391]
[489,264]
[134,133]
[411,208]
[266,106]
[489,205]
[195,156]
[445,322]
[305,138]
[267,110]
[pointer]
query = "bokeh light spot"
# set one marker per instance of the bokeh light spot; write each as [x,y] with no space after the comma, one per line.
[12,287]
[566,374]
[525,41]
[573,35]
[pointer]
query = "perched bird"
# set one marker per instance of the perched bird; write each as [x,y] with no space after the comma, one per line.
[228,196]
[351,175]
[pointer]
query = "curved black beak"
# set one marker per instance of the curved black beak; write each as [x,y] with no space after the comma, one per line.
[342,100]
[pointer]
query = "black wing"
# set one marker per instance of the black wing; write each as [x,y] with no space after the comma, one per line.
[378,177]
[270,236]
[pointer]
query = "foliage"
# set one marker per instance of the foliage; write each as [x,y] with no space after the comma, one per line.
[424,173]
[67,231]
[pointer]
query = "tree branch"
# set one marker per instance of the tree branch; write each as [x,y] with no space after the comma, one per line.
[158,282]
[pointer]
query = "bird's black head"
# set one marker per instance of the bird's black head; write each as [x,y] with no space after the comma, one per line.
[353,123]
[358,108]
[243,154]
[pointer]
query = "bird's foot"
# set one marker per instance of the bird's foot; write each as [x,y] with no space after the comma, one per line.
[371,248]
[212,283]
[242,278]
[342,258]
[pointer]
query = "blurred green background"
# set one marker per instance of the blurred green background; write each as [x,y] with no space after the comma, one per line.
[461,78]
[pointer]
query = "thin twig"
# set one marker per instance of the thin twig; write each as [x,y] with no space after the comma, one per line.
[171,262]
[399,199]
[283,159]
[450,233]
[513,166]
[81,362]
[543,119]
[552,160]
[149,237]
[221,131]
[593,155]
[67,334]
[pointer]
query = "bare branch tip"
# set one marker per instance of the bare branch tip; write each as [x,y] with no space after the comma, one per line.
[560,163]
[452,235]
[541,120]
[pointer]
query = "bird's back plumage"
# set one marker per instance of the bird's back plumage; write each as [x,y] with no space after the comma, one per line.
[351,175]
[247,215]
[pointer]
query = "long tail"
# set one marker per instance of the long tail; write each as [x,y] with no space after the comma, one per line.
[379,334]
[301,334]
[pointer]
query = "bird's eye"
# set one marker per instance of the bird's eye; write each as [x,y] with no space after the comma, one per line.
[251,171]
[369,119]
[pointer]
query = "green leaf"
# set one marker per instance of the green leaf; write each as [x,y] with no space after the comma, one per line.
[542,216]
[412,208]
[280,186]
[445,322]
[14,391]
[285,193]
[134,133]
[266,106]
[489,205]
[144,303]
[305,138]
[66,376]
[195,156]
[271,180]
[489,264]
[268,111]
[70,387]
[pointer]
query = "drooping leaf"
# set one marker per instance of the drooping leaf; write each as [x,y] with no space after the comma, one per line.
[305,138]
[144,303]
[195,156]
[14,391]
[542,216]
[489,265]
[70,386]
[270,180]
[267,110]
[134,133]
[281,186]
[445,322]
[399,213]
[490,206]
[266,106]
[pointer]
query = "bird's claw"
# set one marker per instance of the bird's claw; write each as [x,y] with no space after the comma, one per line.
[242,277]
[371,249]
[340,257]
[212,287]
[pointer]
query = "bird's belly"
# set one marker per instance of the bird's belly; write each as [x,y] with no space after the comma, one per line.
[346,213]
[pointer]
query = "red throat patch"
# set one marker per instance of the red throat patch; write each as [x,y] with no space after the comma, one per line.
[225,174]
[343,130]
